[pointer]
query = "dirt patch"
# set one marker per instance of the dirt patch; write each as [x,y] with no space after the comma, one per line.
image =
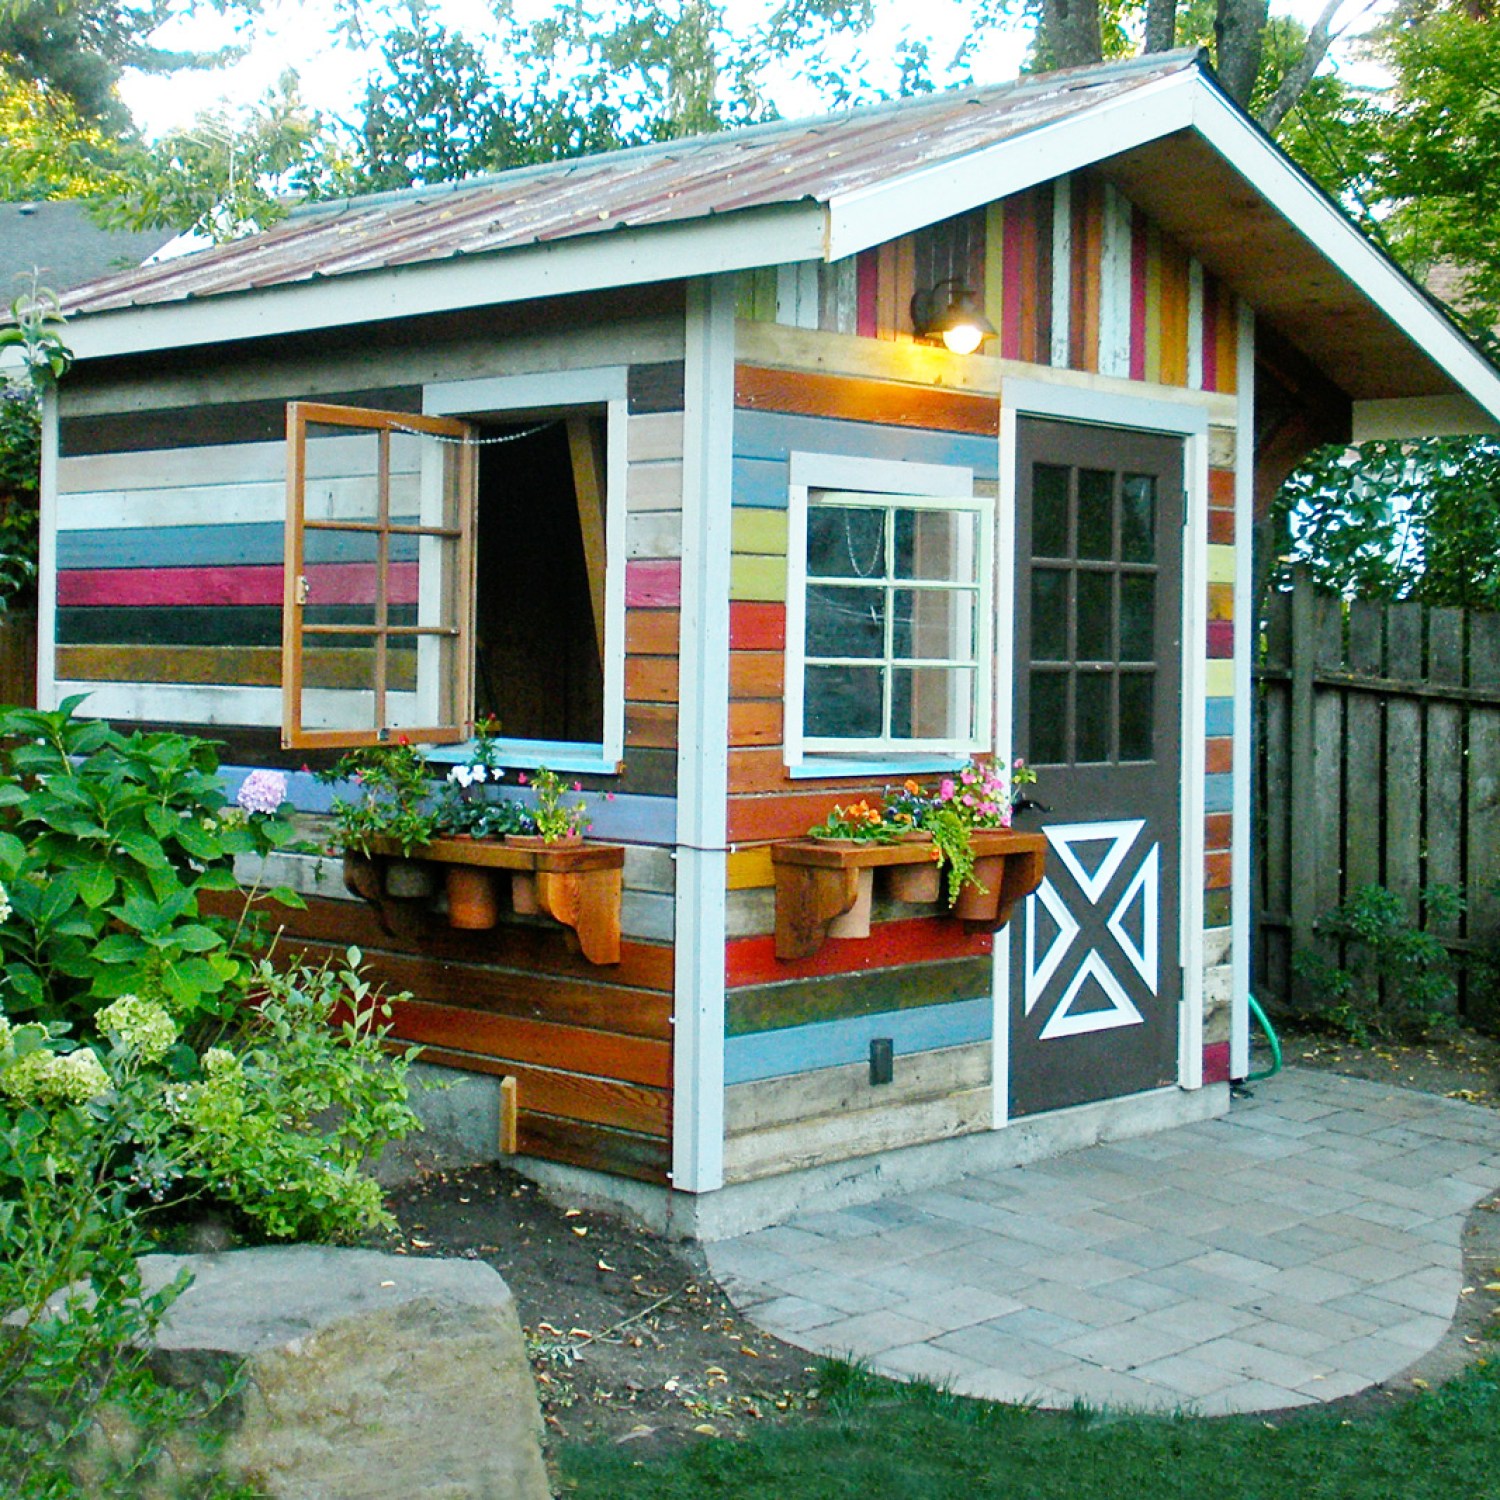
[1459,1064]
[630,1338]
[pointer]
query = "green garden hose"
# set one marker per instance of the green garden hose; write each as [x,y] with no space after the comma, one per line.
[1271,1038]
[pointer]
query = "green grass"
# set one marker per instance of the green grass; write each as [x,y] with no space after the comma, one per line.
[875,1439]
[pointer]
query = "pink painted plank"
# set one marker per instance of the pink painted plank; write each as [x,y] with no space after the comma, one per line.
[867,292]
[1139,255]
[1010,277]
[1220,639]
[328,583]
[653,583]
[1216,1062]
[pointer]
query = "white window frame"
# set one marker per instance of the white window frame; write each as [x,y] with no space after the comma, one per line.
[887,482]
[595,386]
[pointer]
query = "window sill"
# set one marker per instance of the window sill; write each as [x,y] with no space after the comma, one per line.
[823,766]
[526,755]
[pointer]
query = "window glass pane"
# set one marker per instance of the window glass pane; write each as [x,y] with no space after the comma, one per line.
[1095,714]
[1137,619]
[1049,511]
[842,702]
[434,660]
[342,468]
[1049,614]
[1138,518]
[1096,514]
[932,703]
[845,541]
[934,623]
[936,544]
[845,621]
[1137,697]
[1095,617]
[1048,729]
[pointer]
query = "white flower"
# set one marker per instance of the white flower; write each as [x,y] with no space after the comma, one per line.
[219,1060]
[4,904]
[478,773]
[462,775]
[141,1025]
[78,1077]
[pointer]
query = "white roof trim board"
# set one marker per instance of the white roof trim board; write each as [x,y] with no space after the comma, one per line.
[1173,95]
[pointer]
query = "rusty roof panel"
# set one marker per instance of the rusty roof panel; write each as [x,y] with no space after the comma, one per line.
[677,181]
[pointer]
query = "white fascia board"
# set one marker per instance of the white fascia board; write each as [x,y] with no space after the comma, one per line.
[1259,162]
[872,215]
[1419,417]
[583,263]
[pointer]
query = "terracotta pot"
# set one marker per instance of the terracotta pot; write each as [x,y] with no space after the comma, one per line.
[855,923]
[473,901]
[408,879]
[915,884]
[361,876]
[982,905]
[523,897]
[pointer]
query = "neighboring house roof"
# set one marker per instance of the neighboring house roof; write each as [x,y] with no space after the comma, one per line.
[822,189]
[63,244]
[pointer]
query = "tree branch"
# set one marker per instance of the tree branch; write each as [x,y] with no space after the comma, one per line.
[1295,80]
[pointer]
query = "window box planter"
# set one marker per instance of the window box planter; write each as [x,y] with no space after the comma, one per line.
[818,880]
[578,885]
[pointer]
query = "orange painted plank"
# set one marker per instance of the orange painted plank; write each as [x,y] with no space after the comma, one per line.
[755,723]
[756,626]
[651,679]
[1221,488]
[1226,335]
[1216,871]
[850,398]
[1221,601]
[789,815]
[1174,313]
[756,674]
[1218,829]
[651,726]
[750,961]
[1220,756]
[624,1153]
[1221,527]
[652,632]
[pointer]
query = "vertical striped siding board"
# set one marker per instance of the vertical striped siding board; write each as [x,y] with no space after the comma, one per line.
[1060,288]
[1227,335]
[1210,335]
[994,263]
[1115,286]
[1174,313]
[885,291]
[1140,286]
[866,294]
[1088,247]
[906,283]
[1195,326]
[1041,291]
[1012,276]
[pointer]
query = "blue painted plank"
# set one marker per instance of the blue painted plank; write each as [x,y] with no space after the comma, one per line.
[1218,793]
[830,1044]
[1219,717]
[760,483]
[773,435]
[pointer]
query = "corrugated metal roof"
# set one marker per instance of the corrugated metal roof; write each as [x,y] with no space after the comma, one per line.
[759,167]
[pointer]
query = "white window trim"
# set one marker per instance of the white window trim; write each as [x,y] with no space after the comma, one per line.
[941,483]
[598,385]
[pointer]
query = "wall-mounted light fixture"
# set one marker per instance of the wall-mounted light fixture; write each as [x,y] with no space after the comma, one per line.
[951,312]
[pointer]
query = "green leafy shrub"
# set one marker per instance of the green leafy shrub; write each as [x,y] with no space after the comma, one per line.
[1395,979]
[393,800]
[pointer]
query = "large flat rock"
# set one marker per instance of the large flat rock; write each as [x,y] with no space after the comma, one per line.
[367,1376]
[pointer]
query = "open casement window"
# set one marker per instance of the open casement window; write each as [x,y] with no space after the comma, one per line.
[894,616]
[379,577]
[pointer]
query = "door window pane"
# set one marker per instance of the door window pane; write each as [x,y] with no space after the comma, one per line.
[1049,614]
[1138,518]
[1095,716]
[1137,700]
[845,621]
[1048,728]
[845,541]
[1049,510]
[1137,619]
[1096,514]
[1095,622]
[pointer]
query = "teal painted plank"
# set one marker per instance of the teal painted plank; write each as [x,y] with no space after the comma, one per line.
[772,435]
[1219,718]
[831,1044]
[213,546]
[1218,793]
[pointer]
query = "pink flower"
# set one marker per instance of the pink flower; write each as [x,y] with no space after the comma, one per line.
[946,789]
[609,796]
[521,778]
[262,792]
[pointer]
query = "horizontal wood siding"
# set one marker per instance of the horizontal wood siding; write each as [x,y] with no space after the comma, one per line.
[1123,286]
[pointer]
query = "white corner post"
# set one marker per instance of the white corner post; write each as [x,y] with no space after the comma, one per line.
[46,557]
[703,739]
[1242,824]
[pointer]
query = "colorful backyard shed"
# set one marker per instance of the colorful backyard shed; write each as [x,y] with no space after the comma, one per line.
[650,461]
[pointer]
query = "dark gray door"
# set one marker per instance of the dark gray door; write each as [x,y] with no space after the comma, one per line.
[1095,982]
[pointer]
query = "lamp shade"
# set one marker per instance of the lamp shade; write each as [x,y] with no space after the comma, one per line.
[953,315]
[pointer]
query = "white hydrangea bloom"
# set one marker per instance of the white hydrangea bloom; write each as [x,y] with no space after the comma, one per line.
[78,1077]
[220,1060]
[143,1026]
[27,1077]
[4,904]
[462,775]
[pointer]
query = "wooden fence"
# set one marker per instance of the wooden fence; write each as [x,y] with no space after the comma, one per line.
[18,657]
[1378,762]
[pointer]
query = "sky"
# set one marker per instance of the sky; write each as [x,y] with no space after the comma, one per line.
[295,36]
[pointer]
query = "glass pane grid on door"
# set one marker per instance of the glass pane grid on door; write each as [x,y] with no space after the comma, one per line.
[1093,615]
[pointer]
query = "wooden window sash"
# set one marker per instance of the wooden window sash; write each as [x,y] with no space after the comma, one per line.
[300,416]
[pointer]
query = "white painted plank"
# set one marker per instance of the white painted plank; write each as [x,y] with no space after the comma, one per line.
[647,916]
[648,869]
[654,435]
[654,533]
[1195,325]
[654,486]
[1114,287]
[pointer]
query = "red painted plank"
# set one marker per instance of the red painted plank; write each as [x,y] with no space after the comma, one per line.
[753,960]
[1220,639]
[328,583]
[1216,871]
[1010,278]
[1221,488]
[653,583]
[1216,1062]
[1221,527]
[757,627]
[1218,828]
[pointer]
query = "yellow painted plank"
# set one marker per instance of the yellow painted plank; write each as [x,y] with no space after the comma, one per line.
[994,260]
[1153,304]
[1219,679]
[758,578]
[760,532]
[1220,564]
[750,869]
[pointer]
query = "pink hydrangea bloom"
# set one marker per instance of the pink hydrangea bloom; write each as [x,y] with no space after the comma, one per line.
[262,792]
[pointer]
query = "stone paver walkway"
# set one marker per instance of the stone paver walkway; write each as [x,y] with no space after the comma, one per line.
[1298,1250]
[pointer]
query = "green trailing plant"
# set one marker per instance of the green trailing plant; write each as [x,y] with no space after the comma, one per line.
[955,848]
[980,796]
[1393,979]
[557,821]
[392,798]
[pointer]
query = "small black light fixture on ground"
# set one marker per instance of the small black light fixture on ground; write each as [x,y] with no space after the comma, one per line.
[951,312]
